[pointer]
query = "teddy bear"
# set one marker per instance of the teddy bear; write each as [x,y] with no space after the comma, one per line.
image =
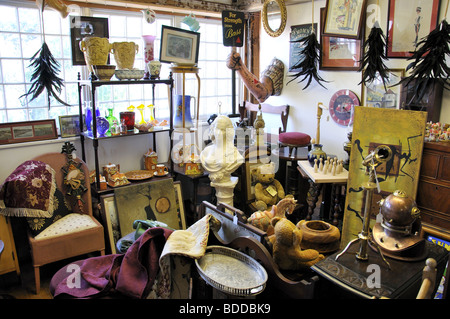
[268,190]
[286,250]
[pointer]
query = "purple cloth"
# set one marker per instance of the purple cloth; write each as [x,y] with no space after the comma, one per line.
[131,274]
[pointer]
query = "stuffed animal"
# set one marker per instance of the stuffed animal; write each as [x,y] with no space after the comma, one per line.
[261,219]
[286,250]
[268,190]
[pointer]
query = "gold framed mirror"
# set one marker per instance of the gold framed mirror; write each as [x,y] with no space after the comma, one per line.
[274,16]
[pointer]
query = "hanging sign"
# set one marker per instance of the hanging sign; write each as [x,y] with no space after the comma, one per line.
[233,28]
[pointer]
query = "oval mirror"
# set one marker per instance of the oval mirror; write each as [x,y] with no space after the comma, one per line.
[274,17]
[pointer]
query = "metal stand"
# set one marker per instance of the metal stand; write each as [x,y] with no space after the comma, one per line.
[380,154]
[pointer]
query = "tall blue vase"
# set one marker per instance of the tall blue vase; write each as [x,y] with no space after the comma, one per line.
[178,120]
[88,119]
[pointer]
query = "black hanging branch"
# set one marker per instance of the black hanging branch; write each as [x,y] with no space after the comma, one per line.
[45,75]
[372,63]
[308,65]
[429,63]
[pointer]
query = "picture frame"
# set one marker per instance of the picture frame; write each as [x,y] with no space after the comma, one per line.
[18,132]
[343,54]
[344,19]
[81,27]
[150,200]
[179,46]
[403,24]
[298,32]
[110,219]
[375,94]
[180,203]
[69,125]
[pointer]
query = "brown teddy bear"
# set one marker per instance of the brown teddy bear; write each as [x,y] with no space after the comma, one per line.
[268,190]
[286,250]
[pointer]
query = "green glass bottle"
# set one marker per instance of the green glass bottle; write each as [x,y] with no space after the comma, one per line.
[111,118]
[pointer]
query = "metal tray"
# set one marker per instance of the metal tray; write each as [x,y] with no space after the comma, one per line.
[231,271]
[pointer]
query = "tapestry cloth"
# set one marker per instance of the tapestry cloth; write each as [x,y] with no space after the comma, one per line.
[29,191]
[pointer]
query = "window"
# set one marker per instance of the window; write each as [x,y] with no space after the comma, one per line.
[21,37]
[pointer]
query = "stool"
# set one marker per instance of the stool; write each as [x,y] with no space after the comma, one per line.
[294,140]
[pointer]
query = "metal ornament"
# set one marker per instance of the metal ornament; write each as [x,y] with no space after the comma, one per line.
[381,154]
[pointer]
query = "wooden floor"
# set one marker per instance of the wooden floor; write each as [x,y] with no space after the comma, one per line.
[23,286]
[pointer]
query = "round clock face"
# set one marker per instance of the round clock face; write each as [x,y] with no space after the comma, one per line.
[341,105]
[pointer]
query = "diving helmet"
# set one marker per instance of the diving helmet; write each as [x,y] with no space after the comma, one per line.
[398,234]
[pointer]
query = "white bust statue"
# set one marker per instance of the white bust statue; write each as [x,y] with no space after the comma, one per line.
[221,157]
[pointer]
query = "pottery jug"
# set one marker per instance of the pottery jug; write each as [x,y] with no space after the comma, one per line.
[124,54]
[191,22]
[96,51]
[178,120]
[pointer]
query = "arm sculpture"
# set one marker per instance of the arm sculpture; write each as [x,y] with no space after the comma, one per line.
[271,82]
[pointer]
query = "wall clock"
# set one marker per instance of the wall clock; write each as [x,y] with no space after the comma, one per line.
[341,104]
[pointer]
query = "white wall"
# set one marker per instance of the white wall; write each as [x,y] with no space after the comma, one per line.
[302,115]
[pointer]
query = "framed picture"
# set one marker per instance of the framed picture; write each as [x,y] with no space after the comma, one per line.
[408,22]
[110,220]
[152,200]
[179,46]
[298,32]
[376,95]
[339,53]
[180,203]
[81,27]
[344,18]
[69,125]
[11,133]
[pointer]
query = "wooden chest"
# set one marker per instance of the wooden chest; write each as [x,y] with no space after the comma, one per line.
[433,193]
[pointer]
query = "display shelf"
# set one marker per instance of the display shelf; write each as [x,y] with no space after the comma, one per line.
[93,85]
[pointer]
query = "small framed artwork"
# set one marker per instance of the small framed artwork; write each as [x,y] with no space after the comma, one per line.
[180,203]
[69,125]
[17,132]
[375,94]
[110,220]
[81,27]
[179,46]
[338,53]
[408,22]
[344,18]
[298,32]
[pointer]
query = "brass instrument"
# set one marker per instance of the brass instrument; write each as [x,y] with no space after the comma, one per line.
[381,154]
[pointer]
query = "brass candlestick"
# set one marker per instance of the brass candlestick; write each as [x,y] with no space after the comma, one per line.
[380,155]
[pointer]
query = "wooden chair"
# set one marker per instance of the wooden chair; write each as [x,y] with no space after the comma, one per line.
[76,242]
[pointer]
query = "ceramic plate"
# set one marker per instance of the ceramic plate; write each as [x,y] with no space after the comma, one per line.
[138,175]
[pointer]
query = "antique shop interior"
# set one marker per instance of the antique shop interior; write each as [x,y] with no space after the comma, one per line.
[224,149]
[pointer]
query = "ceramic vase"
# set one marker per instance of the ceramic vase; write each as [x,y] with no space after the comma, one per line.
[178,120]
[149,43]
[96,51]
[124,54]
[316,152]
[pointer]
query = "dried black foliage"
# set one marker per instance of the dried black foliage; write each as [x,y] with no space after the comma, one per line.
[429,63]
[45,75]
[308,66]
[372,63]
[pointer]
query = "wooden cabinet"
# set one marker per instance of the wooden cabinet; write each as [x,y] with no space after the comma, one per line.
[8,258]
[433,193]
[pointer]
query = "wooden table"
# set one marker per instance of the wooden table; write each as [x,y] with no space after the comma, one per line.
[317,180]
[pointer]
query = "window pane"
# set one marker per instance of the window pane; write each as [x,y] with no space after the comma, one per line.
[29,20]
[9,45]
[8,22]
[30,45]
[19,115]
[12,71]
